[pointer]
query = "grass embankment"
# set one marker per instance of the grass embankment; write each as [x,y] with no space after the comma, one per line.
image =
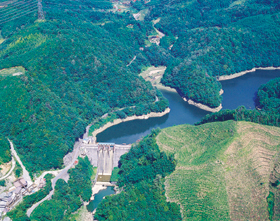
[224,169]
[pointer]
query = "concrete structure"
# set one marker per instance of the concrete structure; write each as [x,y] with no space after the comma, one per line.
[104,156]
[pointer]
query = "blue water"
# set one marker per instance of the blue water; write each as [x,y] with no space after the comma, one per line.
[98,198]
[238,91]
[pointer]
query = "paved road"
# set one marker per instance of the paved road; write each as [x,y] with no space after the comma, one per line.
[11,170]
[25,173]
[59,176]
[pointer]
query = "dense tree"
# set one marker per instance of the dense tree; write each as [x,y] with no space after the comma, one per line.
[5,153]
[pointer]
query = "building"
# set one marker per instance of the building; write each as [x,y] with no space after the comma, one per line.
[21,182]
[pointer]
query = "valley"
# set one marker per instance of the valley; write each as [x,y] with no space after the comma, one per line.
[80,79]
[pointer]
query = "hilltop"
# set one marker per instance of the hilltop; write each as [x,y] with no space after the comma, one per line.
[225,170]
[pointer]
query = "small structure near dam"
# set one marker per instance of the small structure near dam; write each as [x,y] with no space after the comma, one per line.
[104,156]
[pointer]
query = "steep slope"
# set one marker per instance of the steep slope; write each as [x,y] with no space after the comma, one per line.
[225,170]
[76,71]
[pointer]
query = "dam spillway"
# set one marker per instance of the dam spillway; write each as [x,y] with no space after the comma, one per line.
[104,156]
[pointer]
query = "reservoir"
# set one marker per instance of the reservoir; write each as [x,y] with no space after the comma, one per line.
[237,92]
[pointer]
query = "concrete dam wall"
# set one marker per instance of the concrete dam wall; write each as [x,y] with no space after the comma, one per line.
[104,156]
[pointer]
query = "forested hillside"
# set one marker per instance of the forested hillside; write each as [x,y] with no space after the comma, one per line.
[76,70]
[215,38]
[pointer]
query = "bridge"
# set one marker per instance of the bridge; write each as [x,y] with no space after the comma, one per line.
[104,156]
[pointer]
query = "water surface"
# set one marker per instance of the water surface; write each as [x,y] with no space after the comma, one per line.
[99,197]
[238,91]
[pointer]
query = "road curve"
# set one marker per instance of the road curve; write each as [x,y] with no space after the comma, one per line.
[25,173]
[11,170]
[59,176]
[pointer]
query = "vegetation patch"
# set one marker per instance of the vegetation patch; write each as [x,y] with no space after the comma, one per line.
[12,71]
[18,170]
[5,152]
[2,183]
[270,202]
[115,174]
[219,166]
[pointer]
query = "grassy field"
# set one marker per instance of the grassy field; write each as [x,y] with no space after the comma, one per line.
[143,12]
[224,169]
[153,74]
[12,71]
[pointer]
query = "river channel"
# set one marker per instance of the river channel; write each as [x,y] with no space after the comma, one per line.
[237,92]
[99,197]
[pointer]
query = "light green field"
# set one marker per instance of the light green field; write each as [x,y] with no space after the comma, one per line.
[143,12]
[153,74]
[12,71]
[1,38]
[81,214]
[224,169]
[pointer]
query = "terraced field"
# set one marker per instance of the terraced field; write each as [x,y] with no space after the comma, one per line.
[225,170]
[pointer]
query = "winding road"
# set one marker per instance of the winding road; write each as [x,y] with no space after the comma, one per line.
[11,170]
[62,173]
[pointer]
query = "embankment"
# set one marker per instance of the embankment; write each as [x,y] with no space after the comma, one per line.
[232,76]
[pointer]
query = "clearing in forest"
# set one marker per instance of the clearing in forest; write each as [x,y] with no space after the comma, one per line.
[15,71]
[153,74]
[225,170]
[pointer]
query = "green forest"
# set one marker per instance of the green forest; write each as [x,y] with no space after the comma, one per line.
[141,179]
[76,71]
[5,153]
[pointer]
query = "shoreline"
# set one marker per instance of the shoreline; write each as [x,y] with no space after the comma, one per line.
[203,106]
[239,74]
[191,102]
[134,117]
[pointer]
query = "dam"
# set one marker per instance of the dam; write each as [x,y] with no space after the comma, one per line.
[104,156]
